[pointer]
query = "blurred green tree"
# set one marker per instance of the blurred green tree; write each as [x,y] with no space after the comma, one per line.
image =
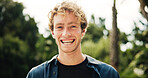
[18,37]
[136,63]
[96,41]
[95,31]
[46,48]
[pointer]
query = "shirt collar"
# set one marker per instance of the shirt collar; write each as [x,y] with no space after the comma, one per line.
[91,60]
[54,58]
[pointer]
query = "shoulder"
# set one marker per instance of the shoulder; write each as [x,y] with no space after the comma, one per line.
[105,70]
[40,70]
[37,71]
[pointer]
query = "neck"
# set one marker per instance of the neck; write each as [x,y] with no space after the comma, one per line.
[72,58]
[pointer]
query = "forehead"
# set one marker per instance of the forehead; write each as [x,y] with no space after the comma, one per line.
[65,18]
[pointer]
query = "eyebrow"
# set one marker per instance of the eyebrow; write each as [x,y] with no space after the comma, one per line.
[68,23]
[59,24]
[72,23]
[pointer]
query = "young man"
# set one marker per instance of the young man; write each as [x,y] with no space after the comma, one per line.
[68,25]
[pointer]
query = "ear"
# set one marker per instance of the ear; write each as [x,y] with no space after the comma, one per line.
[53,34]
[83,33]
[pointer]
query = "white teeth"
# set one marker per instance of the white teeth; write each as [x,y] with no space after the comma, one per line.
[68,41]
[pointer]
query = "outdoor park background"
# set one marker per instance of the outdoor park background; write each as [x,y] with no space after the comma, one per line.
[23,47]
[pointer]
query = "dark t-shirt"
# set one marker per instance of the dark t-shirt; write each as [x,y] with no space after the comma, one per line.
[74,71]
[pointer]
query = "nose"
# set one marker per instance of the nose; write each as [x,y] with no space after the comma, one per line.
[66,33]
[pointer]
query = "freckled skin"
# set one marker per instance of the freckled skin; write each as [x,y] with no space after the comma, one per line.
[67,28]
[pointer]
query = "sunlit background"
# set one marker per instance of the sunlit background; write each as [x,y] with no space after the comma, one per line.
[25,40]
[128,11]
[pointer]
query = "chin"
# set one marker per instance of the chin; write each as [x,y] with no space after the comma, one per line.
[67,50]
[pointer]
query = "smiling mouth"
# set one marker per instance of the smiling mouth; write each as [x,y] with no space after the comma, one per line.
[67,41]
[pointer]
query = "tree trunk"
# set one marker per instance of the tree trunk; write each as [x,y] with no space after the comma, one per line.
[143,4]
[114,47]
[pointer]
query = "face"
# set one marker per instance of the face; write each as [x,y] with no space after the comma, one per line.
[67,32]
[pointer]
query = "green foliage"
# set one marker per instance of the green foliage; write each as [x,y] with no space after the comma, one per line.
[134,61]
[123,38]
[138,67]
[98,50]
[95,31]
[22,47]
[46,48]
[95,42]
[12,55]
[18,37]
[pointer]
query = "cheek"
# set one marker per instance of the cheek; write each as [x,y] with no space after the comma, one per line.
[56,35]
[78,33]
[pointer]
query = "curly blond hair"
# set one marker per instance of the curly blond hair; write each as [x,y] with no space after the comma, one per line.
[71,7]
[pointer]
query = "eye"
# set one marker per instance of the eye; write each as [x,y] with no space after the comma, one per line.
[73,26]
[59,27]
